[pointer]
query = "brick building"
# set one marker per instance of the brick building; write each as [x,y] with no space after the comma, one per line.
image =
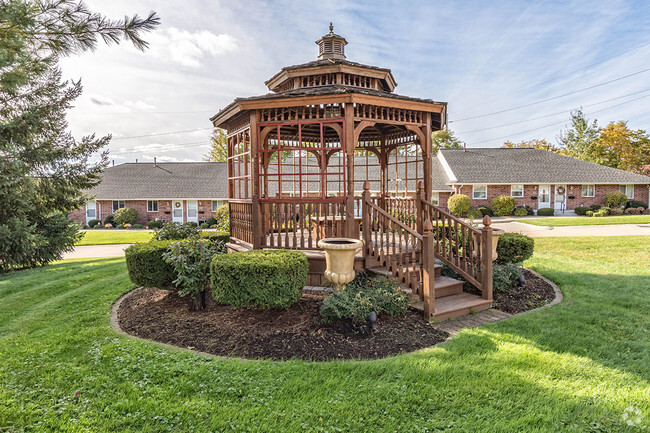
[534,177]
[167,191]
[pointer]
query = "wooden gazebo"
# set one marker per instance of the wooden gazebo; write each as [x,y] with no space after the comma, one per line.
[332,151]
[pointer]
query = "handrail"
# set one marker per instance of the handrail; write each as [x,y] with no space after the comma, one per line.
[396,221]
[451,216]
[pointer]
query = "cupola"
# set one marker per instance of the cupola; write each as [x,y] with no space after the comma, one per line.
[331,46]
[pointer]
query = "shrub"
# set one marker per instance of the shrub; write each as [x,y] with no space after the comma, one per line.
[590,213]
[616,211]
[629,204]
[205,225]
[521,212]
[474,213]
[176,231]
[147,266]
[514,248]
[191,260]
[93,223]
[222,218]
[486,210]
[110,219]
[459,204]
[581,210]
[155,224]
[267,279]
[126,215]
[504,277]
[545,211]
[615,199]
[192,223]
[217,237]
[630,211]
[529,209]
[362,296]
[605,209]
[594,207]
[210,222]
[503,205]
[137,226]
[600,213]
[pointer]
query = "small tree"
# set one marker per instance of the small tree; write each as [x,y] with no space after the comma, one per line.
[126,215]
[615,199]
[191,260]
[459,204]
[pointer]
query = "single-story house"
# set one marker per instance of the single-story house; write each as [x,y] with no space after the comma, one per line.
[164,191]
[534,177]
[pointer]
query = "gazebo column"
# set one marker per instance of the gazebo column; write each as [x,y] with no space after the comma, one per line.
[350,145]
[427,153]
[257,211]
[383,168]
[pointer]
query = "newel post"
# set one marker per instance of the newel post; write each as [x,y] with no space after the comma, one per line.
[365,221]
[428,271]
[486,258]
[419,206]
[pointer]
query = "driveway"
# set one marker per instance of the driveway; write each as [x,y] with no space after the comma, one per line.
[94,251]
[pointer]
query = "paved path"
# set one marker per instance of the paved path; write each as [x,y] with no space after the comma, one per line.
[603,230]
[94,251]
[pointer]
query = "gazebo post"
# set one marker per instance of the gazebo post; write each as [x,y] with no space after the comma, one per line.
[427,154]
[257,211]
[350,145]
[383,168]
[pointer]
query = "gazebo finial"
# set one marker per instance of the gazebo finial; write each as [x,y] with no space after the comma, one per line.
[331,28]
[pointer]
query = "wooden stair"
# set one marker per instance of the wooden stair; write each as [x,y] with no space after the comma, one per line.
[450,302]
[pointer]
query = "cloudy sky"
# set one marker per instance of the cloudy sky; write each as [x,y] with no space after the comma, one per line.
[509,70]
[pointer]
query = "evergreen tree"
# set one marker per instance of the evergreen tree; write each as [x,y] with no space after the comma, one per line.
[580,137]
[44,171]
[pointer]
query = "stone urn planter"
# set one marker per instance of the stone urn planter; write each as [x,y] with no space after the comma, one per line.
[339,258]
[495,240]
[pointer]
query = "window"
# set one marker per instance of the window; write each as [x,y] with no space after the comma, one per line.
[479,192]
[152,206]
[118,204]
[216,204]
[588,190]
[435,198]
[516,190]
[91,210]
[628,190]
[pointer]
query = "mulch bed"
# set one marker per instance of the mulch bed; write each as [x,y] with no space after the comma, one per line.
[294,333]
[536,293]
[272,334]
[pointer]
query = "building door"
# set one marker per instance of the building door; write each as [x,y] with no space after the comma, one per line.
[91,211]
[192,211]
[544,197]
[177,211]
[560,197]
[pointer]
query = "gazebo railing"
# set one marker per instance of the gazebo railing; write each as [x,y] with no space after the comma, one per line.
[241,220]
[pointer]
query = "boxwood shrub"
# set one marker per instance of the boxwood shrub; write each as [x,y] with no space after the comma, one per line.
[266,279]
[514,248]
[582,210]
[93,223]
[503,205]
[146,264]
[459,204]
[631,203]
[545,211]
[155,224]
[216,236]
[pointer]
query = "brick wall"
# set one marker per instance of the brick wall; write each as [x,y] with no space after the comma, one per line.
[105,208]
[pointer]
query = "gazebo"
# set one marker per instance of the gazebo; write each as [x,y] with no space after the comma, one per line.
[332,151]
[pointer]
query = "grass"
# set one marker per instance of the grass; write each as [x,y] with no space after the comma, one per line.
[114,236]
[587,221]
[579,366]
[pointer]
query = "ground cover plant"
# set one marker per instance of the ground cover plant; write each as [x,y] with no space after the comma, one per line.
[114,236]
[605,220]
[580,366]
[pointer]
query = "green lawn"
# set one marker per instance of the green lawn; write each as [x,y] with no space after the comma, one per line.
[114,236]
[587,221]
[579,366]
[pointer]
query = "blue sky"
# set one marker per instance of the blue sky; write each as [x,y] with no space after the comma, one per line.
[481,57]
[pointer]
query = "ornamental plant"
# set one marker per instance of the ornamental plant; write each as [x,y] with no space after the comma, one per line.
[514,248]
[615,199]
[503,205]
[126,215]
[176,231]
[222,218]
[191,260]
[459,204]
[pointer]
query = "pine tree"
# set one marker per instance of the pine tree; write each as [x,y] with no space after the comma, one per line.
[44,171]
[580,137]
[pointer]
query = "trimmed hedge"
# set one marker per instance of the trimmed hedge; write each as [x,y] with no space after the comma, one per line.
[266,279]
[220,235]
[514,248]
[459,204]
[546,211]
[503,205]
[93,223]
[582,210]
[146,264]
[155,224]
[629,204]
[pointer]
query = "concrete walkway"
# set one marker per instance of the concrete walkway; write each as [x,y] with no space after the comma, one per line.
[95,251]
[602,230]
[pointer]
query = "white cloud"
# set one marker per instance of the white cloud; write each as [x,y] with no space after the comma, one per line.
[188,48]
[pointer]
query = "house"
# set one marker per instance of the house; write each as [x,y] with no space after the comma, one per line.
[166,191]
[534,177]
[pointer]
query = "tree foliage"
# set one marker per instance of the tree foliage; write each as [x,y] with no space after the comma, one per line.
[532,144]
[218,147]
[579,138]
[43,168]
[445,139]
[621,147]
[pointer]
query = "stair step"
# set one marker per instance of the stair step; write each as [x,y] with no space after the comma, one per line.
[381,270]
[446,286]
[456,305]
